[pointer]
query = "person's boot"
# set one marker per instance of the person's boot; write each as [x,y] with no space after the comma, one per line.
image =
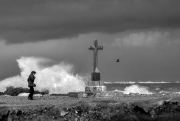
[31,98]
[28,97]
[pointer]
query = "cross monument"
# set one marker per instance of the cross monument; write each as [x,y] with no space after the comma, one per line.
[95,75]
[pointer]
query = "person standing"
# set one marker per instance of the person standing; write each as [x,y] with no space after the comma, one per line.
[31,84]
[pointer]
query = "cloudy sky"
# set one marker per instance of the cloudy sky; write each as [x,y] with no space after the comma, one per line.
[143,34]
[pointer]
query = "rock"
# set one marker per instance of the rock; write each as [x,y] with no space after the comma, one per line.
[160,110]
[142,114]
[4,113]
[15,91]
[6,95]
[63,113]
[84,95]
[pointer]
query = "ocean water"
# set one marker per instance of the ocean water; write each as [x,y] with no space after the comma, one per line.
[143,87]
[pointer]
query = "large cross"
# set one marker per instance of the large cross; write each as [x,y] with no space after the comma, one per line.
[95,48]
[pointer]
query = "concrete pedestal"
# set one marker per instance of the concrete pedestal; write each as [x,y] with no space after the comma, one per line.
[94,89]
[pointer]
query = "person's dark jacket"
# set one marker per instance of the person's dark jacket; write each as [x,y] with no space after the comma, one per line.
[31,80]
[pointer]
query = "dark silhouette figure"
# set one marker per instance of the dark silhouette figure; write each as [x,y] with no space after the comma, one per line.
[31,84]
[117,60]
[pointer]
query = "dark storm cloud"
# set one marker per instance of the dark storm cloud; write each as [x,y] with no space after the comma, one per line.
[36,20]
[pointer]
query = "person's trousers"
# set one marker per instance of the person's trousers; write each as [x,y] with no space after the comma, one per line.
[31,93]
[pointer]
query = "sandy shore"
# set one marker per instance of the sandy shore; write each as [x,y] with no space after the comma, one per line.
[64,108]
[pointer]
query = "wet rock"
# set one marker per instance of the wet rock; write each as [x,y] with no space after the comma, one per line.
[160,110]
[4,113]
[63,113]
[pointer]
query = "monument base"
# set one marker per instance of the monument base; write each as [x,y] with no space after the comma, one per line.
[94,89]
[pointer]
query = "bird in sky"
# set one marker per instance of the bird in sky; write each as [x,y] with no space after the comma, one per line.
[117,60]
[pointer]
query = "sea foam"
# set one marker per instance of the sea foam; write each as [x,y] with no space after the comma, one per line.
[136,89]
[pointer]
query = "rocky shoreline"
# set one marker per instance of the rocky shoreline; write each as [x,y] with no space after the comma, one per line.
[64,108]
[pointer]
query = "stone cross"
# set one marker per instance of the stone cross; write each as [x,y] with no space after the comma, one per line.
[95,74]
[95,48]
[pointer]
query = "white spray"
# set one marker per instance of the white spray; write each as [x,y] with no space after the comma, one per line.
[136,89]
[57,78]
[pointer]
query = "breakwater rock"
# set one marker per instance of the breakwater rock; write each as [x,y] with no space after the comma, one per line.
[94,110]
[157,111]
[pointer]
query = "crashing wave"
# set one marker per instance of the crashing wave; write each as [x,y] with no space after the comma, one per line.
[56,78]
[136,89]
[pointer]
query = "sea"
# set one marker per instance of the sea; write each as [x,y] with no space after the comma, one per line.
[144,87]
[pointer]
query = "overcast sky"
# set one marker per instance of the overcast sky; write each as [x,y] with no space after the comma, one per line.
[143,34]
